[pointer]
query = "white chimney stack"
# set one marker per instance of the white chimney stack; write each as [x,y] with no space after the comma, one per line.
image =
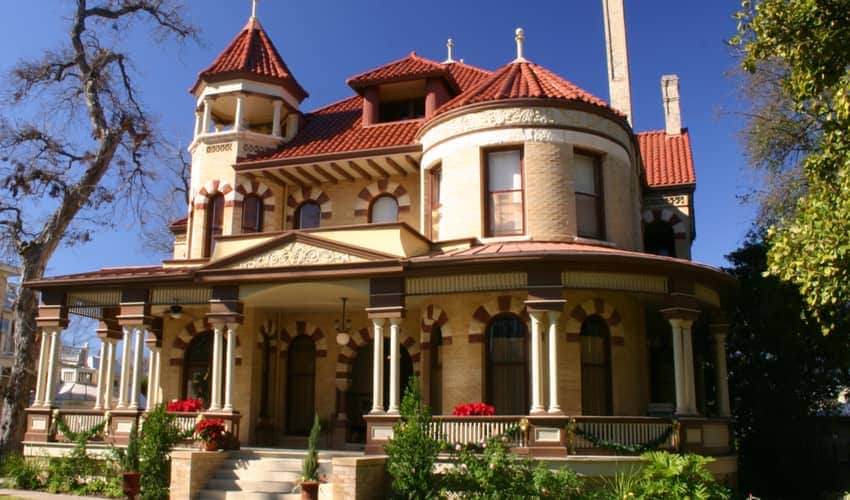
[619,81]
[672,111]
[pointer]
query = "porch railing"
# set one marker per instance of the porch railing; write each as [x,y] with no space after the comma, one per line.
[477,430]
[598,433]
[78,421]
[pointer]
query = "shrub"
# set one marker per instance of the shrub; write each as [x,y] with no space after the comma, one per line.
[310,466]
[473,409]
[209,429]
[160,435]
[21,472]
[412,452]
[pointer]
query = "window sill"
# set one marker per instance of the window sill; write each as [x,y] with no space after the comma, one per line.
[593,241]
[497,239]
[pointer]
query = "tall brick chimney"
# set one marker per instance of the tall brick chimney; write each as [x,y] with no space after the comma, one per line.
[672,111]
[619,81]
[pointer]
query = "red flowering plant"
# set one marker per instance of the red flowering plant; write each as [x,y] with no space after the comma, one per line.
[187,405]
[209,430]
[473,409]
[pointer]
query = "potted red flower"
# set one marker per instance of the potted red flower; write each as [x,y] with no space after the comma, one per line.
[210,432]
[187,405]
[473,409]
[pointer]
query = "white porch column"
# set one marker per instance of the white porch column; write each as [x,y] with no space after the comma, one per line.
[719,332]
[198,117]
[228,380]
[276,120]
[240,112]
[554,406]
[678,367]
[215,382]
[44,353]
[395,326]
[101,374]
[137,367]
[153,386]
[536,369]
[205,121]
[123,383]
[151,379]
[377,366]
[52,367]
[688,358]
[109,376]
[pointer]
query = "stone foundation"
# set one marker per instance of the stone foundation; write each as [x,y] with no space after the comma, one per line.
[190,470]
[360,478]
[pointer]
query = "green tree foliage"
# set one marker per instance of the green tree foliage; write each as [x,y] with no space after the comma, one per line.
[310,466]
[781,372]
[412,452]
[810,41]
[159,436]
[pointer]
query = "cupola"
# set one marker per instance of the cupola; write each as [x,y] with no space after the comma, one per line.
[249,92]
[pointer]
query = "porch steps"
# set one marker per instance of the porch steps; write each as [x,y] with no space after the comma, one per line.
[263,474]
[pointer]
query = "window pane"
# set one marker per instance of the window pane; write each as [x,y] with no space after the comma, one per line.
[587,215]
[585,174]
[505,215]
[385,209]
[504,170]
[252,214]
[309,215]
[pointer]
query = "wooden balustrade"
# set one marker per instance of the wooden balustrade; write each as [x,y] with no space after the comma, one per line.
[624,431]
[477,430]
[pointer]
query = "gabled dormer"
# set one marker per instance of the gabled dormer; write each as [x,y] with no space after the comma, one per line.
[407,89]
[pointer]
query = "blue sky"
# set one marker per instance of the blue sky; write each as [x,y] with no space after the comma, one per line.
[324,42]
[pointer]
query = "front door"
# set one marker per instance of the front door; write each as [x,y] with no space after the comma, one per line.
[300,386]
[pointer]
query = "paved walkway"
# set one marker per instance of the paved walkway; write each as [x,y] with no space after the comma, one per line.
[5,494]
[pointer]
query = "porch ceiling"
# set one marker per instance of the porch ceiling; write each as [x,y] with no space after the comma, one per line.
[307,297]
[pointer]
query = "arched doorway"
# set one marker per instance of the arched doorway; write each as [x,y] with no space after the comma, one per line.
[507,365]
[595,367]
[360,395]
[300,386]
[196,368]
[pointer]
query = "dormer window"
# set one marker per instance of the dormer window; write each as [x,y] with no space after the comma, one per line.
[403,109]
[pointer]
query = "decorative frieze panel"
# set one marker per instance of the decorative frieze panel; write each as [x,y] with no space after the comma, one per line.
[219,148]
[296,254]
[466,283]
[615,281]
[675,200]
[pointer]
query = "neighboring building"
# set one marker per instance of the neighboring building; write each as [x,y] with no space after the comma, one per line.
[507,234]
[8,293]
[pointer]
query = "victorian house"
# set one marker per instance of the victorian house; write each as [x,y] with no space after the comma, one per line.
[504,234]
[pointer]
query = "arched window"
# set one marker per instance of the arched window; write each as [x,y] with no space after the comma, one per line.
[384,209]
[436,375]
[300,386]
[595,367]
[507,365]
[308,215]
[214,223]
[659,239]
[196,368]
[252,214]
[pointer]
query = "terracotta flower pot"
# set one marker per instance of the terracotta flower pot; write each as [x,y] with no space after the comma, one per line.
[309,490]
[211,445]
[131,484]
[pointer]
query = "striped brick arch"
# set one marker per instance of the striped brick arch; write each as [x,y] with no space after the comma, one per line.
[380,188]
[602,309]
[190,331]
[267,329]
[212,187]
[669,216]
[255,188]
[348,352]
[433,315]
[501,305]
[299,196]
[297,328]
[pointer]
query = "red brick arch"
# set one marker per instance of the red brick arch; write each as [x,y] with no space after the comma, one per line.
[348,352]
[500,305]
[599,308]
[189,332]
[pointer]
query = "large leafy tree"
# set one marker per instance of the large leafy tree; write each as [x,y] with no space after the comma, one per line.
[782,373]
[807,43]
[76,140]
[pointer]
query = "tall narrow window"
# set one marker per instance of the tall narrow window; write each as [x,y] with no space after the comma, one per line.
[215,223]
[196,367]
[589,209]
[433,214]
[300,387]
[252,214]
[595,367]
[507,366]
[308,215]
[504,199]
[384,209]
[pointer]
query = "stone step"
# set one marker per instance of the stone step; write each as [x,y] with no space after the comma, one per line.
[245,495]
[268,485]
[271,465]
[258,475]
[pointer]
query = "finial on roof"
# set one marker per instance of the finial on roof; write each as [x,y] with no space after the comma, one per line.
[520,41]
[253,9]
[450,45]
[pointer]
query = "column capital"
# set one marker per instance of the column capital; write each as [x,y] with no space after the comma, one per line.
[553,316]
[386,312]
[537,316]
[397,321]
[680,313]
[378,322]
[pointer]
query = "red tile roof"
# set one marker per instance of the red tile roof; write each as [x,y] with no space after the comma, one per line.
[337,128]
[667,159]
[411,67]
[118,273]
[523,80]
[252,53]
